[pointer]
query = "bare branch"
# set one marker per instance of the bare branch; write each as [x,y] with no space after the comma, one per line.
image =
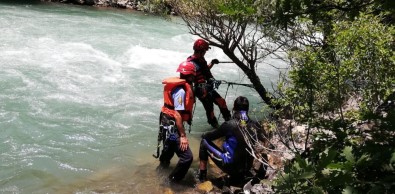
[244,40]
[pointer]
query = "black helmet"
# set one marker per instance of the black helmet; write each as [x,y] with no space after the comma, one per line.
[241,103]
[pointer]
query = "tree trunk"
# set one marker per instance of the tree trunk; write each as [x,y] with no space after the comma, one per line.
[261,90]
[253,77]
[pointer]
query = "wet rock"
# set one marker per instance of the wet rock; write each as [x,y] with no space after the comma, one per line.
[234,189]
[205,186]
[122,3]
[261,188]
[168,191]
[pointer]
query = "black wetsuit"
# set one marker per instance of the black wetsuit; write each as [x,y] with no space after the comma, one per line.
[242,161]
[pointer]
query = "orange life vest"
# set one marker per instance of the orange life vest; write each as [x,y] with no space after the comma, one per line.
[168,107]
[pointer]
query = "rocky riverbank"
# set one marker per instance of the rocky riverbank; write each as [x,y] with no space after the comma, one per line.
[139,5]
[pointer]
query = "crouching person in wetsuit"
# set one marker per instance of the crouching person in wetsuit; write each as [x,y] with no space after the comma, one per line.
[233,158]
[177,108]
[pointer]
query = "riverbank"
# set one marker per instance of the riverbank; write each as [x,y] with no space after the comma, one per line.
[138,5]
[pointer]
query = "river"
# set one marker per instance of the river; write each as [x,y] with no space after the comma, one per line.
[80,95]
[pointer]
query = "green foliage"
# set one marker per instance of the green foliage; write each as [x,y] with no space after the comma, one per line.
[333,171]
[368,50]
[325,12]
[348,155]
[361,62]
[238,8]
[160,7]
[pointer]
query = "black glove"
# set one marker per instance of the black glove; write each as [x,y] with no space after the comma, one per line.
[214,61]
[217,83]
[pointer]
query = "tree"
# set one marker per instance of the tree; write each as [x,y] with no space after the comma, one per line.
[234,27]
[339,52]
[319,16]
[353,148]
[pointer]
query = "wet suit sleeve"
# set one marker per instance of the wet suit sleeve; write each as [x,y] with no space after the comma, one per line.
[226,154]
[217,133]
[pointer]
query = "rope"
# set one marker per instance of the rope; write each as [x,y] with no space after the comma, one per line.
[193,112]
[227,89]
[226,93]
[239,84]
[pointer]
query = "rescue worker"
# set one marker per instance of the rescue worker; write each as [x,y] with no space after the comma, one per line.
[233,158]
[177,109]
[205,83]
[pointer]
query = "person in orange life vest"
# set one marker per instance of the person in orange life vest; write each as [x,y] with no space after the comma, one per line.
[177,108]
[204,82]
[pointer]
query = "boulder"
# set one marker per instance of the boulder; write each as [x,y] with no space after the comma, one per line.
[205,187]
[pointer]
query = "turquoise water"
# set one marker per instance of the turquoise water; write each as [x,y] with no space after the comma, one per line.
[80,95]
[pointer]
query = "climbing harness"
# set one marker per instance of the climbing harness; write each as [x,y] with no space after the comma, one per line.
[167,132]
[170,131]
